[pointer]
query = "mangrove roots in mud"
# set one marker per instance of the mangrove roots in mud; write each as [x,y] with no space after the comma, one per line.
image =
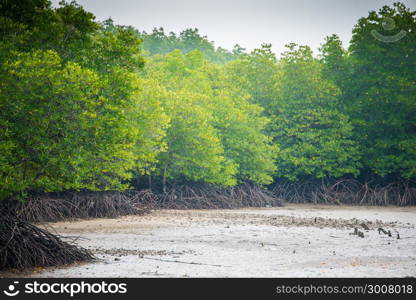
[70,205]
[23,245]
[206,196]
[345,191]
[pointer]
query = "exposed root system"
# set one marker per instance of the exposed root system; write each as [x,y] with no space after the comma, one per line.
[23,245]
[205,196]
[346,191]
[71,205]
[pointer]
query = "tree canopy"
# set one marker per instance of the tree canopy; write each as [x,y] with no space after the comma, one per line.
[86,105]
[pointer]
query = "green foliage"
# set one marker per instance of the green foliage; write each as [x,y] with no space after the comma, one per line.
[78,111]
[315,137]
[158,42]
[50,116]
[66,127]
[216,135]
[256,74]
[109,49]
[35,24]
[335,62]
[381,91]
[242,126]
[72,118]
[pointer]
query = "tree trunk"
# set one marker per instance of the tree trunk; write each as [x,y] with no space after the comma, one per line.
[164,180]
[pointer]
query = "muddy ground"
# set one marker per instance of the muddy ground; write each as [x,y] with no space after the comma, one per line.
[292,241]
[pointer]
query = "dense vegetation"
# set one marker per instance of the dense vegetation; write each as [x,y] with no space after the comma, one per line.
[97,106]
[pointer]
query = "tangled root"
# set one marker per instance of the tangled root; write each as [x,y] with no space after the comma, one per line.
[23,245]
[206,196]
[71,205]
[74,205]
[346,191]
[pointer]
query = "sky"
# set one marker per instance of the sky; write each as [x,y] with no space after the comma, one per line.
[246,22]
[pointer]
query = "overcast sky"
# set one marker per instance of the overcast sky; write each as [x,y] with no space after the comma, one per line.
[246,22]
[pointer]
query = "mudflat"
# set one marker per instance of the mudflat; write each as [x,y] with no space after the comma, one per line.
[290,241]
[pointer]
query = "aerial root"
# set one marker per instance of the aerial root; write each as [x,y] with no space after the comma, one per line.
[346,191]
[54,207]
[23,245]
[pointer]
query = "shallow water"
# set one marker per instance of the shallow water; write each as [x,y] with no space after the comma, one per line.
[293,241]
